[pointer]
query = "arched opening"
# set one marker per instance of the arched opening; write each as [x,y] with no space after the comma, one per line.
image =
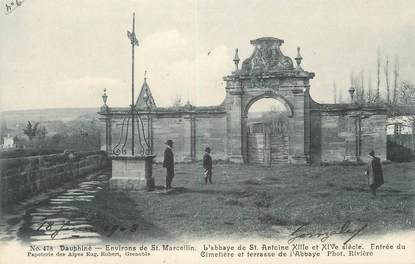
[267,131]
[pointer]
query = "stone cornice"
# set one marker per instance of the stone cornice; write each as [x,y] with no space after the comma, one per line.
[269,75]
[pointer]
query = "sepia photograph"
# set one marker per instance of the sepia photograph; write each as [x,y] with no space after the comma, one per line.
[197,131]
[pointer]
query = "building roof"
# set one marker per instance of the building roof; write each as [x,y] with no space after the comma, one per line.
[145,98]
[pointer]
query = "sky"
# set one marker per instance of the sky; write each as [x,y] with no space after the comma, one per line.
[64,53]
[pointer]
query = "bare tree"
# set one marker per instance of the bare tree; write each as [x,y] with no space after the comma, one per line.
[386,69]
[357,82]
[31,130]
[378,76]
[334,92]
[177,101]
[395,80]
[406,93]
[340,97]
[353,85]
[371,98]
[362,87]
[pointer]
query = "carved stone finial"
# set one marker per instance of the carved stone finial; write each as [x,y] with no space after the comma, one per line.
[104,96]
[236,60]
[351,92]
[298,59]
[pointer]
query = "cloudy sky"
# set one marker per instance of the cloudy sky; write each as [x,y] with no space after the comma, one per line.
[62,53]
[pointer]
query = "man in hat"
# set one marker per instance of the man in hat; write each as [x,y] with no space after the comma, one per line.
[207,165]
[374,172]
[168,163]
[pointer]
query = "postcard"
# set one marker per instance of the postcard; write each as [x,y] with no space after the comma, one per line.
[199,131]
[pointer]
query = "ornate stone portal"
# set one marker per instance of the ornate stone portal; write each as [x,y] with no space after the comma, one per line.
[268,74]
[316,132]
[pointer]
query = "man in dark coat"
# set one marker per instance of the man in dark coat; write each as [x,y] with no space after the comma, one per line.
[168,163]
[207,165]
[374,173]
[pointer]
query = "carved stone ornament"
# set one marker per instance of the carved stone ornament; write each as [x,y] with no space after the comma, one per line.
[267,57]
[259,82]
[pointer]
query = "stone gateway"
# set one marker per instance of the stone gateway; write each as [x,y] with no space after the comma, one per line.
[315,132]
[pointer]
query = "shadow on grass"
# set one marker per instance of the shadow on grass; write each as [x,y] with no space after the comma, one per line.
[251,182]
[239,194]
[357,189]
[263,200]
[270,219]
[402,196]
[118,218]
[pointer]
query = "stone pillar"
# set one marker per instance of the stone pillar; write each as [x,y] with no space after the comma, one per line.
[267,147]
[193,138]
[108,136]
[244,127]
[351,141]
[307,124]
[234,127]
[297,135]
[150,138]
[189,139]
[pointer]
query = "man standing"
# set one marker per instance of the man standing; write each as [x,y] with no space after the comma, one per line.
[207,165]
[168,163]
[374,173]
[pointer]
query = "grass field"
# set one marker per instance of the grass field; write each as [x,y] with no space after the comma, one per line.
[256,201]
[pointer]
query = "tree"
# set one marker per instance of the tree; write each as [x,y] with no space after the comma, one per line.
[340,97]
[41,133]
[386,69]
[362,87]
[406,97]
[371,97]
[335,92]
[378,77]
[30,130]
[177,101]
[406,93]
[353,85]
[395,80]
[357,82]
[3,130]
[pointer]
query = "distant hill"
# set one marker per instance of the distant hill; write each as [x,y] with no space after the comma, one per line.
[52,114]
[54,120]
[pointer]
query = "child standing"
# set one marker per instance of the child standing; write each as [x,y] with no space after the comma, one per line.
[207,165]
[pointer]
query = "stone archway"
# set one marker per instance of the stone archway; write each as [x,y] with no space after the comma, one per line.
[263,143]
[267,73]
[273,95]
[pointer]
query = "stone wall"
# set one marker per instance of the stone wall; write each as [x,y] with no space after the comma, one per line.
[191,132]
[174,128]
[373,136]
[210,132]
[347,133]
[24,177]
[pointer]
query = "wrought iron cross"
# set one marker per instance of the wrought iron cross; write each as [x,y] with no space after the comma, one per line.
[134,42]
[131,35]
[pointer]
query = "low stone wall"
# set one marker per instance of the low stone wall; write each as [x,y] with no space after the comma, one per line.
[24,177]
